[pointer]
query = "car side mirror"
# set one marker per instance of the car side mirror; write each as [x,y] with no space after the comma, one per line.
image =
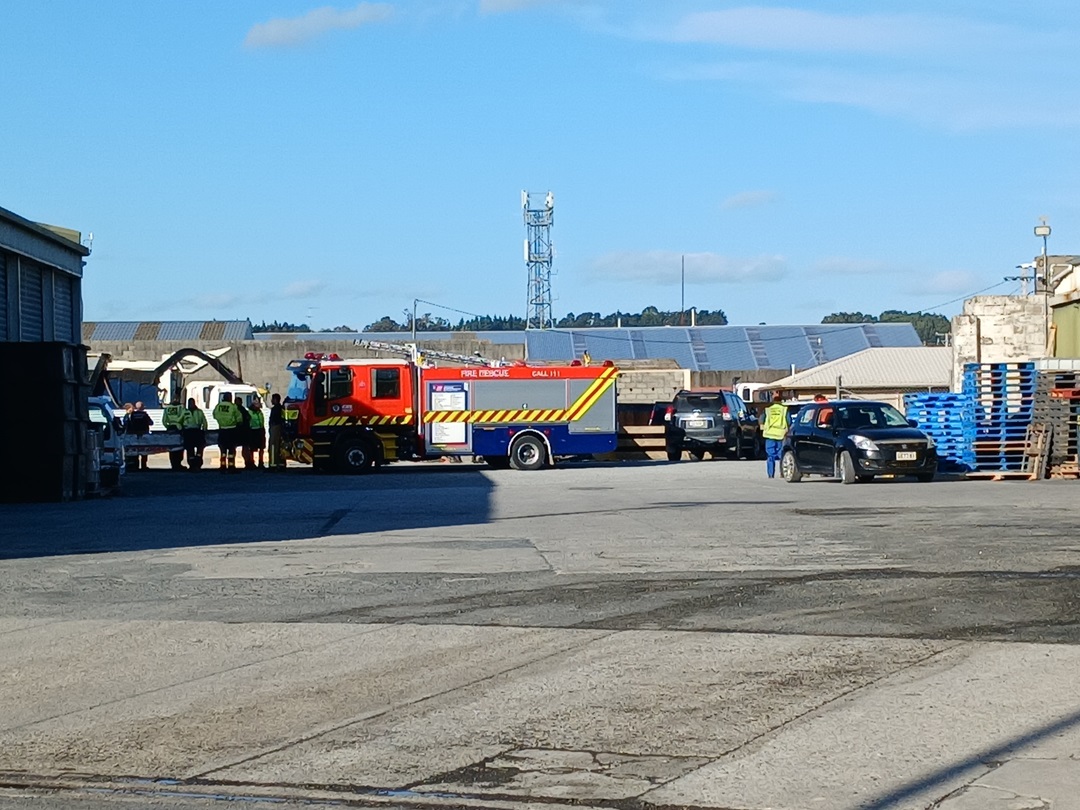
[913,422]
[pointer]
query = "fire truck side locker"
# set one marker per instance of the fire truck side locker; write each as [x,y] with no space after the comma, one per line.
[571,410]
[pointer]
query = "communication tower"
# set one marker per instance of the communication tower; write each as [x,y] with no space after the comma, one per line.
[539,256]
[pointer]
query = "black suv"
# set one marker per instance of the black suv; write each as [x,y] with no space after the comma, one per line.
[711,421]
[854,440]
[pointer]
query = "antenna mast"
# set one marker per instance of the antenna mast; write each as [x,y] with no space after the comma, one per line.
[539,256]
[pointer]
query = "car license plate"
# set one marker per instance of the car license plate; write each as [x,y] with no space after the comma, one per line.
[907,455]
[697,423]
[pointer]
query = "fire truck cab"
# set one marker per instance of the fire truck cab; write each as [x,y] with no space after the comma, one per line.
[350,415]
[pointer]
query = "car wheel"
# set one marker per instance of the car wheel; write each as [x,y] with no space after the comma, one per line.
[674,455]
[789,468]
[354,455]
[925,478]
[735,450]
[528,453]
[847,468]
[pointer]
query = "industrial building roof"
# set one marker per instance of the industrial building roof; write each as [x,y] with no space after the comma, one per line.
[710,348]
[890,368]
[95,331]
[702,348]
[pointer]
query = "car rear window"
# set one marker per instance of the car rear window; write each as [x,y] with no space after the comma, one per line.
[697,402]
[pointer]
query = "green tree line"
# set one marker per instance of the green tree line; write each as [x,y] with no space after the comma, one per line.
[931,327]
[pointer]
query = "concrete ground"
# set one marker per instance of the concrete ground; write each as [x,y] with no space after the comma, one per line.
[620,636]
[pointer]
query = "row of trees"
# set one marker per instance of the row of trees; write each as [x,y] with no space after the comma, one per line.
[650,316]
[932,328]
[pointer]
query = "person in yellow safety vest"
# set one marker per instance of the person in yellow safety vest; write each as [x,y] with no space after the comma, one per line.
[774,427]
[256,441]
[228,417]
[193,429]
[170,416]
[586,358]
[170,420]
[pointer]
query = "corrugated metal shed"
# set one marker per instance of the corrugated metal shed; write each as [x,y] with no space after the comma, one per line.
[880,368]
[166,330]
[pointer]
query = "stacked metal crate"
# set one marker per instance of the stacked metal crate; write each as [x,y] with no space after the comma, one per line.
[1057,405]
[44,425]
[949,419]
[1003,397]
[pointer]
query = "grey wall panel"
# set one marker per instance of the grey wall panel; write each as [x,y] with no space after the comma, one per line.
[3,297]
[64,308]
[31,317]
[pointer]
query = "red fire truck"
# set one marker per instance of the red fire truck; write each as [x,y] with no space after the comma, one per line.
[351,415]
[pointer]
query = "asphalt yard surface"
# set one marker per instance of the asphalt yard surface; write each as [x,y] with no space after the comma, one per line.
[622,636]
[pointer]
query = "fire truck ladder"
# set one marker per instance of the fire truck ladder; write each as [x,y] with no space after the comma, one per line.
[422,356]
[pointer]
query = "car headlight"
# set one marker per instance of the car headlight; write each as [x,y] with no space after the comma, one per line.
[863,443]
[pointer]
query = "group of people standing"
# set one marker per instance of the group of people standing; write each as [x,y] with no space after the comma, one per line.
[240,429]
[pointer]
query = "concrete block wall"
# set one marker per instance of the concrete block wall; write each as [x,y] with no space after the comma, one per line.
[646,386]
[998,329]
[263,361]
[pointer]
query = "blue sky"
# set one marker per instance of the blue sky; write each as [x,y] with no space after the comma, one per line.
[286,160]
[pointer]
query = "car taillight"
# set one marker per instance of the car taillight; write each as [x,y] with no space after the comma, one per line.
[669,413]
[725,412]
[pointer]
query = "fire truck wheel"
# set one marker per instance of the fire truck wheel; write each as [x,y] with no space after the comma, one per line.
[528,453]
[354,455]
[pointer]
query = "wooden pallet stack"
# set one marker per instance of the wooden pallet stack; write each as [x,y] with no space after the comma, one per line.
[1057,404]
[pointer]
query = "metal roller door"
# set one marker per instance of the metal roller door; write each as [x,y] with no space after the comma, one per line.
[3,298]
[32,323]
[63,311]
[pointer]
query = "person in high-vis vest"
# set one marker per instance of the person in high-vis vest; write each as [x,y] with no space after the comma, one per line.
[774,427]
[256,440]
[228,417]
[170,420]
[193,429]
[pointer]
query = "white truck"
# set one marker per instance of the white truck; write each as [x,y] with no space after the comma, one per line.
[156,383]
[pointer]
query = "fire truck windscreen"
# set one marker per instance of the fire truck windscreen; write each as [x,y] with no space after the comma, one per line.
[298,387]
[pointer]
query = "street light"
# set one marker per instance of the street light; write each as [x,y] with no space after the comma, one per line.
[1043,230]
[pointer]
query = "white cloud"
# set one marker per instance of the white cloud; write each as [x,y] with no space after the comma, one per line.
[793,29]
[949,282]
[664,268]
[843,266]
[286,32]
[303,289]
[749,199]
[504,6]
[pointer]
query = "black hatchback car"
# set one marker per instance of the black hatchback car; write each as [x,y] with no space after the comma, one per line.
[854,440]
[710,421]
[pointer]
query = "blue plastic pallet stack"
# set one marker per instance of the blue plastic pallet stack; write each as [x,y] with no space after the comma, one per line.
[1003,396]
[948,419]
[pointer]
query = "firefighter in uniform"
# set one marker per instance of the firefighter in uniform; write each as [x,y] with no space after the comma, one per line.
[229,420]
[193,429]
